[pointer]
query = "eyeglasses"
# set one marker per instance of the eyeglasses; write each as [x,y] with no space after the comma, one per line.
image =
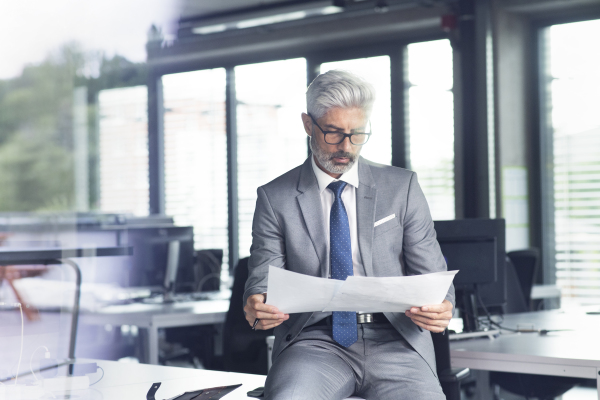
[334,137]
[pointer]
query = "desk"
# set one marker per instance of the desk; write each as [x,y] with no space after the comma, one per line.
[570,353]
[155,316]
[125,381]
[48,256]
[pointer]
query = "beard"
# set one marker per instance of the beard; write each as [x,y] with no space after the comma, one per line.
[326,160]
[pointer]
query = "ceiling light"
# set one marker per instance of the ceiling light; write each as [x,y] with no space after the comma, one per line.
[272,19]
[205,30]
[253,20]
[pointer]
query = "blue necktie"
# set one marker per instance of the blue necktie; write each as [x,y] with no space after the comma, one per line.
[344,323]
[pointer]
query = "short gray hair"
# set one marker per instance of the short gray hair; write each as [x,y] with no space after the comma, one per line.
[338,88]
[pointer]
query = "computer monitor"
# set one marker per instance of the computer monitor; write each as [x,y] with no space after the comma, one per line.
[162,256]
[475,247]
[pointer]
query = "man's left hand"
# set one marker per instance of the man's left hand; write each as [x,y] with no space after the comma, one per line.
[434,318]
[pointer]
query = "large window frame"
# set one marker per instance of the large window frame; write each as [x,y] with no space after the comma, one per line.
[394,49]
[541,185]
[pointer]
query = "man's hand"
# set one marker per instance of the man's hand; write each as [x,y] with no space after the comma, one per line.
[270,316]
[434,318]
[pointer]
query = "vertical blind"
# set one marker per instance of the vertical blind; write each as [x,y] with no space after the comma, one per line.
[573,91]
[430,123]
[195,153]
[271,138]
[123,150]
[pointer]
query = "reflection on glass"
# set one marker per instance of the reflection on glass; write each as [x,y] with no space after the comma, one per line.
[376,70]
[271,138]
[430,123]
[573,88]
[123,149]
[196,155]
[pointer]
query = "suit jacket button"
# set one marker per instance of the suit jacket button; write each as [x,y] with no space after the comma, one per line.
[288,338]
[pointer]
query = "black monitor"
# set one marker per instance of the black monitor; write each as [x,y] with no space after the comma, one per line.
[475,247]
[161,256]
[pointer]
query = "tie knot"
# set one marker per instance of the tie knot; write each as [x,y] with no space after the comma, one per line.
[337,188]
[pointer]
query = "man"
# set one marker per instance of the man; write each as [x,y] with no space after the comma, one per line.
[339,215]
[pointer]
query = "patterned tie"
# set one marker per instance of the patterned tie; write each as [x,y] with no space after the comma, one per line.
[344,323]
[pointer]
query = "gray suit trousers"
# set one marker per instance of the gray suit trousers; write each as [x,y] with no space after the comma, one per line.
[381,365]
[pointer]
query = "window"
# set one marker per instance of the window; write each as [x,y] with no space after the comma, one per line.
[195,151]
[572,93]
[123,143]
[271,138]
[430,123]
[376,70]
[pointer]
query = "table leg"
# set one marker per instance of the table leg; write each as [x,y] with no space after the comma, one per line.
[152,349]
[598,382]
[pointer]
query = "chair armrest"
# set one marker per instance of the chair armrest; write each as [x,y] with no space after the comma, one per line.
[454,374]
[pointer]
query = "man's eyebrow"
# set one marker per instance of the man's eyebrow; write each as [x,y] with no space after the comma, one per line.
[329,126]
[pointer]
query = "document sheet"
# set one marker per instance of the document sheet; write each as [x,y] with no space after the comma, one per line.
[292,292]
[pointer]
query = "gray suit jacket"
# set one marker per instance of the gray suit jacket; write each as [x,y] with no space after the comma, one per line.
[289,232]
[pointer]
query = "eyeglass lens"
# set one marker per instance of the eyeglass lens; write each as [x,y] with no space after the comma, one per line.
[336,138]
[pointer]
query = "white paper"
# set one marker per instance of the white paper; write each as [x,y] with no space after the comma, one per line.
[291,292]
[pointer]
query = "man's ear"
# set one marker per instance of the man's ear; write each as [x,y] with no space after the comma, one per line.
[306,121]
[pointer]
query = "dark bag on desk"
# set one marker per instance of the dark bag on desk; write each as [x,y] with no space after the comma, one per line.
[203,394]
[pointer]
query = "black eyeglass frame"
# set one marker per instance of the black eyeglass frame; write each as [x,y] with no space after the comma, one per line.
[345,135]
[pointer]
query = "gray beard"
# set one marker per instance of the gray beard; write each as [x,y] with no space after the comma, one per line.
[326,159]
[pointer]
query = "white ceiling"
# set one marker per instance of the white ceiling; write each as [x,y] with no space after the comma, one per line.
[200,8]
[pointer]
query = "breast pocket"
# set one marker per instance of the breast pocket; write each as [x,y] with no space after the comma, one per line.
[385,225]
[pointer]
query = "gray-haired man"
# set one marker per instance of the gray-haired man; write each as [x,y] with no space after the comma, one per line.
[339,215]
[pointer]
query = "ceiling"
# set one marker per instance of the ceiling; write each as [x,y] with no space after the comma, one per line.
[202,8]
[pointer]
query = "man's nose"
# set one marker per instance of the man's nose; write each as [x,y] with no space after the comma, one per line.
[346,145]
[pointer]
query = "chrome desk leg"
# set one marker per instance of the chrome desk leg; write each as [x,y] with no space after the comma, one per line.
[75,313]
[152,344]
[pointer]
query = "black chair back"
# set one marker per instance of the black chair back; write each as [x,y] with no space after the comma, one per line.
[526,263]
[515,299]
[244,350]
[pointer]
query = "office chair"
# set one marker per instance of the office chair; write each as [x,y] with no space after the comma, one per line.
[528,385]
[197,342]
[450,378]
[244,350]
[207,269]
[526,263]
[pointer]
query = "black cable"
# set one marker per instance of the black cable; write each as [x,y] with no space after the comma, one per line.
[92,384]
[489,317]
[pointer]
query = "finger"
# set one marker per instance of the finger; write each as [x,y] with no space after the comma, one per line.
[269,325]
[266,315]
[435,308]
[445,306]
[431,315]
[431,328]
[427,321]
[257,305]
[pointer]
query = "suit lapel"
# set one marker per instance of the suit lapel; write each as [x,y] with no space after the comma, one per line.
[366,196]
[310,205]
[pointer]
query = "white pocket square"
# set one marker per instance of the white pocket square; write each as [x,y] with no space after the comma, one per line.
[386,219]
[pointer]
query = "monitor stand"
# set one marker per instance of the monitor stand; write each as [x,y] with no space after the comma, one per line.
[471,326]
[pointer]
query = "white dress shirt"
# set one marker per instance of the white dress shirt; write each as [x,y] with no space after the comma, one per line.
[349,199]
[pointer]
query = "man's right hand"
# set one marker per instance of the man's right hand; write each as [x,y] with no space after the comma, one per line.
[269,316]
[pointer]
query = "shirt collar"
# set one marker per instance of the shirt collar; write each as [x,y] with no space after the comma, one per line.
[323,179]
